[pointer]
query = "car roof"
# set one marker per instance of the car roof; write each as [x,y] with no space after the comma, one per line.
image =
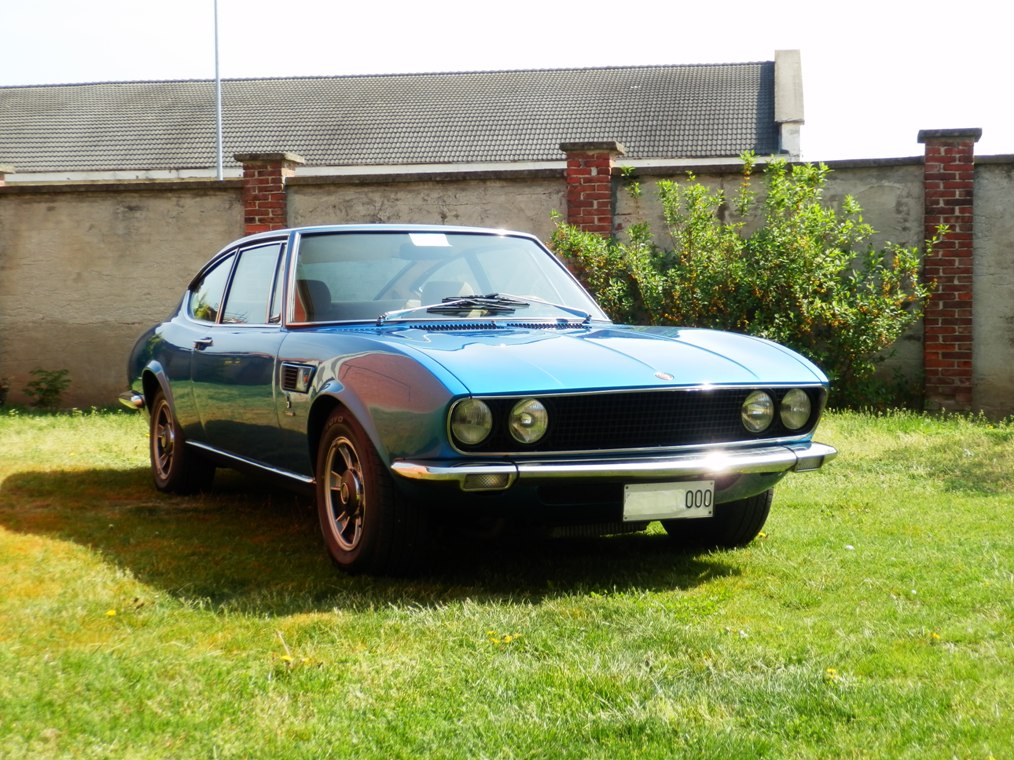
[370,227]
[287,232]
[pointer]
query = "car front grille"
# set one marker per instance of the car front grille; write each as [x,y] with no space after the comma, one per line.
[641,420]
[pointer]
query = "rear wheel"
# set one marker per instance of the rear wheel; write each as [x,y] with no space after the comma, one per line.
[174,467]
[735,524]
[367,525]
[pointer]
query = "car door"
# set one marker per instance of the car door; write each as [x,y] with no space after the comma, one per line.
[232,365]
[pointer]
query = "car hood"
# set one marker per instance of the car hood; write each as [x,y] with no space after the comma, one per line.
[546,359]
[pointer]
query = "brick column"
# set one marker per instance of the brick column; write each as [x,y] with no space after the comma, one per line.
[948,182]
[590,184]
[264,198]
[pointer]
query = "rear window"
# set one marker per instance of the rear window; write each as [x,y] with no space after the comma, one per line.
[207,293]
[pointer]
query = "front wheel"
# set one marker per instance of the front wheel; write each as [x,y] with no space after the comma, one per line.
[734,524]
[366,524]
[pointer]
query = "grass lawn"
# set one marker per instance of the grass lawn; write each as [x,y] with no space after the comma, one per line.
[873,619]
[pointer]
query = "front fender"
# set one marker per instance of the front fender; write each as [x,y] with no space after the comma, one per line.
[401,406]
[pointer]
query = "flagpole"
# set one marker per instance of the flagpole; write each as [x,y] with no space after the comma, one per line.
[218,103]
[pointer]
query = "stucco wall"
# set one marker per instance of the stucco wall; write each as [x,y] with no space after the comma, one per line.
[890,194]
[82,274]
[84,269]
[524,203]
[993,307]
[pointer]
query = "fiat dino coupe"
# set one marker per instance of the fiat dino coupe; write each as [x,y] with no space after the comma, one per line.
[414,376]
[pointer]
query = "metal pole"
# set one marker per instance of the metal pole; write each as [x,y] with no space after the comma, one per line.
[218,102]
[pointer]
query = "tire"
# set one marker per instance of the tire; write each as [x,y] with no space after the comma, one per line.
[175,468]
[367,525]
[734,524]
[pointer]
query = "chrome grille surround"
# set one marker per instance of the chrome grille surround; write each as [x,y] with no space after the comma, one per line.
[642,420]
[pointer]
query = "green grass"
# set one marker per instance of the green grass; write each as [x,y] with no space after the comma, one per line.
[873,618]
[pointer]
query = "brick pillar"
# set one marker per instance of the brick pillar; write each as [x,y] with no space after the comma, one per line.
[264,199]
[948,182]
[590,184]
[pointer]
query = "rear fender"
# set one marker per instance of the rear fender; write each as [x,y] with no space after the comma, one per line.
[155,379]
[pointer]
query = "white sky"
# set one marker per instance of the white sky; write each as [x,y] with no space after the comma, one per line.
[875,72]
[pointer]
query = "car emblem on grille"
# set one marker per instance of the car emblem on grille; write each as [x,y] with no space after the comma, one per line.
[664,376]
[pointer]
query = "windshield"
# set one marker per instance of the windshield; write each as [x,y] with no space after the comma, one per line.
[392,275]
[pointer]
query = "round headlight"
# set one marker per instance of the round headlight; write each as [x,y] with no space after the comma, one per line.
[758,411]
[528,421]
[795,409]
[471,421]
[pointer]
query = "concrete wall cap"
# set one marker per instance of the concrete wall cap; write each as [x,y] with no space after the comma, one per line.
[254,158]
[590,146]
[925,135]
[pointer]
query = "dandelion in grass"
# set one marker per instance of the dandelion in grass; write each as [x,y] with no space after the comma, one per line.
[110,613]
[286,658]
[499,641]
[831,675]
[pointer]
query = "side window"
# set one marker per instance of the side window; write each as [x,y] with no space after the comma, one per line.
[206,295]
[252,284]
[275,316]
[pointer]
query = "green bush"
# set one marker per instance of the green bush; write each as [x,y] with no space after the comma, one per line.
[803,274]
[47,387]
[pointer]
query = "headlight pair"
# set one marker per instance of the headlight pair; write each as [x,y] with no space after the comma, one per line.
[472,421]
[758,410]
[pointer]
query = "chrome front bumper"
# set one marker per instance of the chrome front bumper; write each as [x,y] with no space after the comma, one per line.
[801,457]
[132,400]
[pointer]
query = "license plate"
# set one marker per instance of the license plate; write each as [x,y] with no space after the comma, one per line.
[669,501]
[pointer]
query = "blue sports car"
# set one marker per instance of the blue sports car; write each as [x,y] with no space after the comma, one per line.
[415,376]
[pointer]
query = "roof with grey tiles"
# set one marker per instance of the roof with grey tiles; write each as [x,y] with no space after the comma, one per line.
[685,111]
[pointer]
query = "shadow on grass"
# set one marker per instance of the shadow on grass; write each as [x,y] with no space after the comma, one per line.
[249,546]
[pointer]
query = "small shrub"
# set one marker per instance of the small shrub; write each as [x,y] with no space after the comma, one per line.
[47,387]
[807,275]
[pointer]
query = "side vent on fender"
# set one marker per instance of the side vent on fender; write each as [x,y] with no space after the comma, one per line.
[296,378]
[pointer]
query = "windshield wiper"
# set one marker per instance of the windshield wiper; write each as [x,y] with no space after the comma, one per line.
[583,315]
[492,303]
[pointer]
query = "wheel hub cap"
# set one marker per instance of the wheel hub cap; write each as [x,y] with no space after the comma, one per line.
[165,440]
[350,492]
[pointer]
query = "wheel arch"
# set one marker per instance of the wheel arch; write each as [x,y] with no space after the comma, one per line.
[400,404]
[319,414]
[322,409]
[153,380]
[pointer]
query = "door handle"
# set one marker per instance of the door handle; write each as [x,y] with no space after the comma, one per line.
[202,343]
